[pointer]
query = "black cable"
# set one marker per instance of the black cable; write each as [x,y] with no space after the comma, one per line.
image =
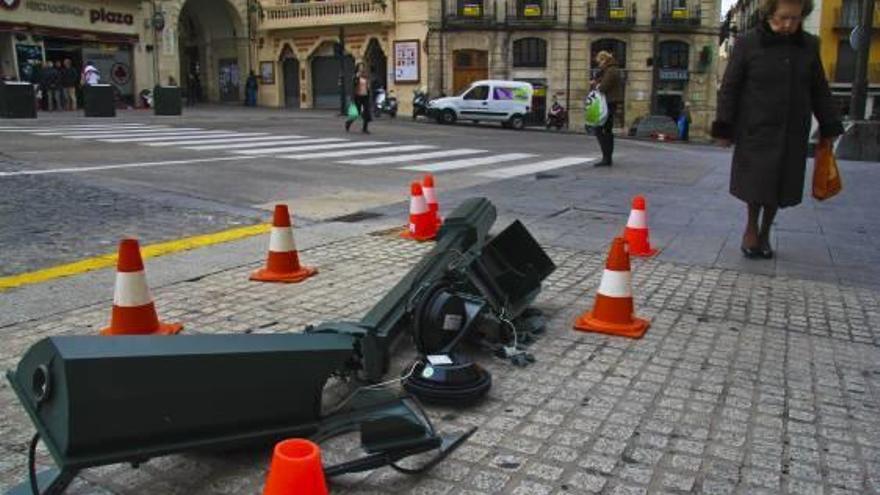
[32,464]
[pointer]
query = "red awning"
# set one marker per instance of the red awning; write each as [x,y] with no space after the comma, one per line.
[71,34]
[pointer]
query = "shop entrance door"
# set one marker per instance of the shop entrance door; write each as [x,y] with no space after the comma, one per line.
[230,77]
[290,68]
[468,66]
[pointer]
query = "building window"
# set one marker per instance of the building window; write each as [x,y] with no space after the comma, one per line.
[530,52]
[612,46]
[674,55]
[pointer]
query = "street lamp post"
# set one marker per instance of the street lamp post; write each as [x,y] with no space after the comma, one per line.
[860,79]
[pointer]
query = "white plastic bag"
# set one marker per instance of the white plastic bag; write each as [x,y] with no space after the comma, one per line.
[595,109]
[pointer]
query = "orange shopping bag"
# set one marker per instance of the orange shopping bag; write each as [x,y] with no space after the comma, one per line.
[826,176]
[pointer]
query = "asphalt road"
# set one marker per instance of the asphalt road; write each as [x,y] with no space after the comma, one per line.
[74,185]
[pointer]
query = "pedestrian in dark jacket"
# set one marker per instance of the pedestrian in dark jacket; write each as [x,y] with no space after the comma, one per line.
[773,84]
[69,78]
[52,81]
[608,82]
[250,90]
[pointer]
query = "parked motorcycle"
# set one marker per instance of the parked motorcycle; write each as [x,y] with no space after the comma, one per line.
[146,98]
[419,103]
[385,103]
[557,116]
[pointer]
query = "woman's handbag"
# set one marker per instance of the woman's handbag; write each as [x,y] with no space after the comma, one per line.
[826,176]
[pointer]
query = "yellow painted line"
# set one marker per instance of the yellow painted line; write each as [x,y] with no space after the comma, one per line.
[151,251]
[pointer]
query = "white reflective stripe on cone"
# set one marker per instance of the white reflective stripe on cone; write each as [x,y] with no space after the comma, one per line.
[429,195]
[131,289]
[638,219]
[616,284]
[281,240]
[417,205]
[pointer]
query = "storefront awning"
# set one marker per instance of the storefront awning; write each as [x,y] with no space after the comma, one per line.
[71,34]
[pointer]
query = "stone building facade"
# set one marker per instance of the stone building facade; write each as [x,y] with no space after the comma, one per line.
[551,44]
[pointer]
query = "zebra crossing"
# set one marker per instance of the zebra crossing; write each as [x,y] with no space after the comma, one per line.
[419,157]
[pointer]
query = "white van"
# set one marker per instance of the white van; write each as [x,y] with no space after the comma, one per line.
[508,102]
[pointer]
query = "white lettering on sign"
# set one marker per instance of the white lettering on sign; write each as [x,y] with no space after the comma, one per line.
[55,8]
[110,17]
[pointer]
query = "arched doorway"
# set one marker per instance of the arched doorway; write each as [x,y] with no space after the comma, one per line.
[468,66]
[377,64]
[213,50]
[326,77]
[290,77]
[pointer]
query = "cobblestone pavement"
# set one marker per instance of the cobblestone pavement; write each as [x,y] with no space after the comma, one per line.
[744,384]
[48,220]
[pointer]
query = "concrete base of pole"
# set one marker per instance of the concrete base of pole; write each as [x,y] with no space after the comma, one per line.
[861,142]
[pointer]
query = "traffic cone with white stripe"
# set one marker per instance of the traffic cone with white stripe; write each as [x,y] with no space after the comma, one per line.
[422,226]
[636,233]
[431,198]
[134,312]
[613,312]
[282,264]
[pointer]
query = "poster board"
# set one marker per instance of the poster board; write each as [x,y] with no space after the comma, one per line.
[267,72]
[407,61]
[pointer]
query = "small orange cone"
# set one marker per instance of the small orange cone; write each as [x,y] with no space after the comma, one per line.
[636,233]
[296,469]
[134,312]
[613,311]
[431,198]
[422,226]
[282,264]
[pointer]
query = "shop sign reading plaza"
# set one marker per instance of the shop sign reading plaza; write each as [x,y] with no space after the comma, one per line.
[95,15]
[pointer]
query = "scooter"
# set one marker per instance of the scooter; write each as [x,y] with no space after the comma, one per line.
[385,103]
[557,116]
[419,103]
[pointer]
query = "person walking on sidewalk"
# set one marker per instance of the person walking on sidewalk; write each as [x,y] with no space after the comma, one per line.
[361,92]
[607,82]
[772,86]
[52,80]
[250,90]
[69,78]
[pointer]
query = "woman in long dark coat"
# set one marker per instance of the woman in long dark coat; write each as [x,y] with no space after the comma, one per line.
[774,83]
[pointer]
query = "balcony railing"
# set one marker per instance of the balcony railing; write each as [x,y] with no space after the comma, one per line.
[679,17]
[849,18]
[606,17]
[331,13]
[537,14]
[470,13]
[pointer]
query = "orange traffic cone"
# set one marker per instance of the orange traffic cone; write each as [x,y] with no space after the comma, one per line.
[134,312]
[422,226]
[636,233]
[431,198]
[613,311]
[296,469]
[283,262]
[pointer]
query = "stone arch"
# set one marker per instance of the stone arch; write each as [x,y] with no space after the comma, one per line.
[213,47]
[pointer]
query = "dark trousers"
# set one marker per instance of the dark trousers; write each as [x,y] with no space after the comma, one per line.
[363,105]
[605,136]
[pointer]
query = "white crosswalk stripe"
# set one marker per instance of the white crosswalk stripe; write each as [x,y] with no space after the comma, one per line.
[68,129]
[469,162]
[533,168]
[368,151]
[102,132]
[293,149]
[415,157]
[154,132]
[221,141]
[181,137]
[238,146]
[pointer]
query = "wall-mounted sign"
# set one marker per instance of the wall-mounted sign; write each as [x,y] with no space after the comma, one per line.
[673,74]
[407,60]
[532,10]
[267,72]
[10,4]
[679,13]
[617,13]
[55,8]
[102,15]
[472,10]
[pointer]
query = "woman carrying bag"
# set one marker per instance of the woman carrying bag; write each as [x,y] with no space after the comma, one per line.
[607,82]
[361,103]
[773,84]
